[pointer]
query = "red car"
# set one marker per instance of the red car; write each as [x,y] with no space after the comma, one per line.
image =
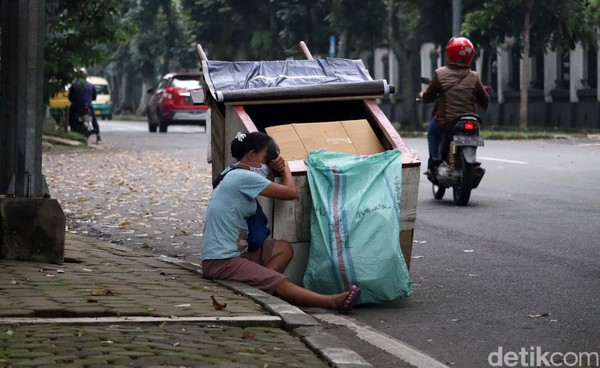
[171,103]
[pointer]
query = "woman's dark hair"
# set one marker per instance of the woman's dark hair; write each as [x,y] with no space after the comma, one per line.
[253,141]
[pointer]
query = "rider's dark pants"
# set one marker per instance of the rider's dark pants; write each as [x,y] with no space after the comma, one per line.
[434,135]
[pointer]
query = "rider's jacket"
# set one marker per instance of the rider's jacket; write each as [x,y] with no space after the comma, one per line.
[457,90]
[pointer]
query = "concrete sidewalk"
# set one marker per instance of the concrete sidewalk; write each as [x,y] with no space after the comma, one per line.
[108,306]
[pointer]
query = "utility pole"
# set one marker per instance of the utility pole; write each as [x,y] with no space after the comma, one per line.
[456,17]
[32,226]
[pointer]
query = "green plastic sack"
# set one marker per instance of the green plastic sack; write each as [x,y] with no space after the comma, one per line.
[355,225]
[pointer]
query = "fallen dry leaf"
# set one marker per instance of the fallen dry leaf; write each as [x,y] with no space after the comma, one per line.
[122,195]
[248,335]
[216,304]
[101,292]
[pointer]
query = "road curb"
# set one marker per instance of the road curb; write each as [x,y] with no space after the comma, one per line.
[295,321]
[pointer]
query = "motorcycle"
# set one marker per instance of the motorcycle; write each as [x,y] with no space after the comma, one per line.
[83,122]
[458,167]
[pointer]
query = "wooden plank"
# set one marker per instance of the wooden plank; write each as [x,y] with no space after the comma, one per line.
[409,158]
[236,120]
[406,244]
[292,218]
[217,137]
[410,194]
[297,266]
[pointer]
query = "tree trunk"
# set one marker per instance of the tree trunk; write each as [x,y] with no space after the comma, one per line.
[407,54]
[342,51]
[409,76]
[148,82]
[526,68]
[126,103]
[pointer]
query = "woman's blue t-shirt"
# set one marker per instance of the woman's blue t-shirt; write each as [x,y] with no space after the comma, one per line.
[231,202]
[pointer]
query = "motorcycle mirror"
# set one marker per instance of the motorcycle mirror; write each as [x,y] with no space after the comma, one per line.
[425,80]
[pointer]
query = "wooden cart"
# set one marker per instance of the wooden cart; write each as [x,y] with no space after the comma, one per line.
[290,220]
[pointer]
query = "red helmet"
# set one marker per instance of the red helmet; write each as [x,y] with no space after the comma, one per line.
[460,51]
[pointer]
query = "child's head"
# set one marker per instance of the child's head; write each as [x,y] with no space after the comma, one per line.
[260,143]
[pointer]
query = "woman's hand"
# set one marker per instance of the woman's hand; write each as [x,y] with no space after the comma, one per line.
[278,164]
[287,189]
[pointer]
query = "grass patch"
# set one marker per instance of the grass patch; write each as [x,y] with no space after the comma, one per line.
[519,134]
[505,134]
[130,117]
[532,134]
[74,136]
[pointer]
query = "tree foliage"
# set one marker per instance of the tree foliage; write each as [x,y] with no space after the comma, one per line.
[78,35]
[554,23]
[361,24]
[534,27]
[139,40]
[263,30]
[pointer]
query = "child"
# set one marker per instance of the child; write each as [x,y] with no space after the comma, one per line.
[224,251]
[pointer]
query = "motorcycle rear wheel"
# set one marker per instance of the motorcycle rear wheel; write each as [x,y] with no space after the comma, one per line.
[462,190]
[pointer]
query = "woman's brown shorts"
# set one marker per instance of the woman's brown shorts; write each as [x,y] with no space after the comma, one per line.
[247,268]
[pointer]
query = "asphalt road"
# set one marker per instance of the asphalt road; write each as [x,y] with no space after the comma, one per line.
[518,268]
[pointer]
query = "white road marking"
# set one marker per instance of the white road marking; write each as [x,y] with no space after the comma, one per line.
[113,126]
[384,342]
[503,160]
[588,144]
[120,126]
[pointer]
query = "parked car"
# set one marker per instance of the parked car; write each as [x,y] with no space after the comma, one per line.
[171,103]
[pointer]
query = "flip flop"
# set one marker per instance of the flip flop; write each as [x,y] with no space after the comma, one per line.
[351,300]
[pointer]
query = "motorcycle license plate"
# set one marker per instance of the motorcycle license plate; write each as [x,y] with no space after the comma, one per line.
[468,140]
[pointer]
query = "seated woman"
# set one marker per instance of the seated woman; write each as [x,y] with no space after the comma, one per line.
[224,250]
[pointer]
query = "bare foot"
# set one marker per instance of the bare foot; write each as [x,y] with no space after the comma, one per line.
[346,301]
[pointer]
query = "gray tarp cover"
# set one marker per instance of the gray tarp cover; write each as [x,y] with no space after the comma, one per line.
[289,79]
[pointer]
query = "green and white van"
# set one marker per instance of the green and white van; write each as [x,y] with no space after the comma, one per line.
[103,104]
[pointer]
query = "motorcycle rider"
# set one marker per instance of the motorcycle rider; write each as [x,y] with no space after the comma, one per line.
[456,89]
[81,94]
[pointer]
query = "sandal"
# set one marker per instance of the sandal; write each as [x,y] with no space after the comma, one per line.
[350,301]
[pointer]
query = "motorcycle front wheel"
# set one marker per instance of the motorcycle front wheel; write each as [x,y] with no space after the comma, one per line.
[438,191]
[462,190]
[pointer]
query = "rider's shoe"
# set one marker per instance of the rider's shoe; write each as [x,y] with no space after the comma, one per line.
[431,169]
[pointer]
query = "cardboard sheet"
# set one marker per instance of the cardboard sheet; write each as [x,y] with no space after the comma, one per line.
[348,136]
[290,145]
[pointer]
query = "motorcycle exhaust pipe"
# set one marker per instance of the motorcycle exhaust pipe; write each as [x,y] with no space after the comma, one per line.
[478,173]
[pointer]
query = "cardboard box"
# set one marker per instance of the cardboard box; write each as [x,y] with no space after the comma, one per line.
[350,136]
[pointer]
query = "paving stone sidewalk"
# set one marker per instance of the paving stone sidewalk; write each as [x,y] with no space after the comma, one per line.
[108,306]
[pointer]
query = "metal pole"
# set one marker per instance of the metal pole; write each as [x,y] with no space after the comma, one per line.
[456,17]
